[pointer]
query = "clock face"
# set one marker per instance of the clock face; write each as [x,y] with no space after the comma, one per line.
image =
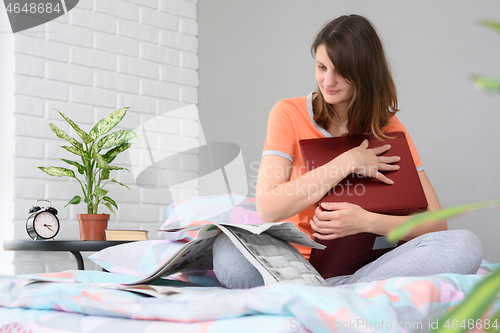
[46,225]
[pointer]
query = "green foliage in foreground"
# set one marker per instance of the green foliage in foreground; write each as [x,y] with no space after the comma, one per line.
[468,314]
[486,83]
[402,230]
[478,302]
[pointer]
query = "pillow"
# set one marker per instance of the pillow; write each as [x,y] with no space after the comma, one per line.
[135,258]
[229,208]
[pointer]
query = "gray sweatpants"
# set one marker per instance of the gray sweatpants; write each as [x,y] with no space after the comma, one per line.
[451,251]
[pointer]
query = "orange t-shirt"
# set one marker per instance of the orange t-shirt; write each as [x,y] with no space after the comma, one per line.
[292,120]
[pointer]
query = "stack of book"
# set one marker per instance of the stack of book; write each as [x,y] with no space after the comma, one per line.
[125,235]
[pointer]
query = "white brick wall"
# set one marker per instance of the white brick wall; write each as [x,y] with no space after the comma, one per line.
[101,56]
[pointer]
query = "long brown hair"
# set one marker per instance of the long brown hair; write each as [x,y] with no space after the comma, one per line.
[356,51]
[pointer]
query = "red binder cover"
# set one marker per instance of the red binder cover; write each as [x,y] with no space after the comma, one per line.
[346,255]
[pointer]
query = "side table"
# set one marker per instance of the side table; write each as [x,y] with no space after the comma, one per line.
[73,246]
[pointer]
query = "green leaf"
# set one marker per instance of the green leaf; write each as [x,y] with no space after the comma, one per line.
[496,317]
[80,167]
[58,172]
[114,181]
[111,201]
[74,150]
[100,161]
[475,305]
[107,124]
[85,137]
[61,134]
[105,174]
[109,207]
[111,167]
[486,83]
[418,219]
[100,192]
[112,153]
[491,24]
[86,160]
[75,201]
[115,139]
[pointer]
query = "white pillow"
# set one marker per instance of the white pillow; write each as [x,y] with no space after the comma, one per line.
[135,258]
[230,209]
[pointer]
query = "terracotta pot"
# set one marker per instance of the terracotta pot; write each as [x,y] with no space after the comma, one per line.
[92,226]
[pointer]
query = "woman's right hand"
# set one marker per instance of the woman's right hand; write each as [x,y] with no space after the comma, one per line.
[366,162]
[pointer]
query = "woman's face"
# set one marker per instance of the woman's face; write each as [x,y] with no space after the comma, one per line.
[335,89]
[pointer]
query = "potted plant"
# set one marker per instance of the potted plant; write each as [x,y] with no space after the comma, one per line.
[93,169]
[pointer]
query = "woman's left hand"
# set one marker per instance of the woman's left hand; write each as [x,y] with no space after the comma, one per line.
[339,219]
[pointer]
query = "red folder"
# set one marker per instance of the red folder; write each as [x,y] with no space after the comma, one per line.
[346,255]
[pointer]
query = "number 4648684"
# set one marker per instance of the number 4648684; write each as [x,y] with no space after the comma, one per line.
[471,324]
[33,8]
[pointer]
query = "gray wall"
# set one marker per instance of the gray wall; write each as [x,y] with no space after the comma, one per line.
[254,53]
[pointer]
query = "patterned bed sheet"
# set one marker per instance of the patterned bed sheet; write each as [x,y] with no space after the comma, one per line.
[77,304]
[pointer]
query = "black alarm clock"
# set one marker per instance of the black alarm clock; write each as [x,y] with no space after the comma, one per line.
[43,223]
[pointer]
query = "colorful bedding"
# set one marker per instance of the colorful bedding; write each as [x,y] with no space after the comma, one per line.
[77,304]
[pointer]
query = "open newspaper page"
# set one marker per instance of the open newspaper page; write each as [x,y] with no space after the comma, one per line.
[151,290]
[264,245]
[274,258]
[194,256]
[286,231]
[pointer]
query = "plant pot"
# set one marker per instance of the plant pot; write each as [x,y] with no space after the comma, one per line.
[92,226]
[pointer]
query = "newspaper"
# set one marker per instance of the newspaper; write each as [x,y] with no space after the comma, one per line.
[148,290]
[151,290]
[266,246]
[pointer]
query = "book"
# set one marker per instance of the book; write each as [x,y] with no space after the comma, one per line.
[266,246]
[125,235]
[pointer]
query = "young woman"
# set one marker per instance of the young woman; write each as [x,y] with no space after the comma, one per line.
[356,95]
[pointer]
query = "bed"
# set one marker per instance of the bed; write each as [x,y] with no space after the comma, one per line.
[76,301]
